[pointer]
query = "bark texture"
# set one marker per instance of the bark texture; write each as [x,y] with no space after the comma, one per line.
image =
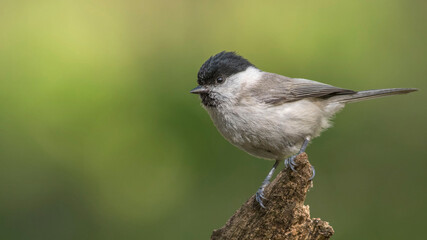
[285,215]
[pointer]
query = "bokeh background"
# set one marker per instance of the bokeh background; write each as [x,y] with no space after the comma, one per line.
[100,138]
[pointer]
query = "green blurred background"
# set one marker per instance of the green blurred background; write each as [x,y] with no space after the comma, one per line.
[100,138]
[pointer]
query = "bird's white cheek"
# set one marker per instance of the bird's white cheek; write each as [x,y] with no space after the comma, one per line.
[248,77]
[239,82]
[230,89]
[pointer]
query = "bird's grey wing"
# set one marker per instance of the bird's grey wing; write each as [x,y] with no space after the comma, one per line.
[276,89]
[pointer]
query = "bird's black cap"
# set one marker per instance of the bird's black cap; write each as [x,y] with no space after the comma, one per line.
[223,64]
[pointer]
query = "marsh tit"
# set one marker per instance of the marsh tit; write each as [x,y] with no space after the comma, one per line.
[268,115]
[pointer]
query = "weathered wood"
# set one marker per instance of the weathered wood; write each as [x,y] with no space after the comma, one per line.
[285,215]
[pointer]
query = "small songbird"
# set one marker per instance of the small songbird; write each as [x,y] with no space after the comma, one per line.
[268,115]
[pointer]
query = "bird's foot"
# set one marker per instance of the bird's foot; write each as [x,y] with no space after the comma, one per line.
[259,196]
[290,162]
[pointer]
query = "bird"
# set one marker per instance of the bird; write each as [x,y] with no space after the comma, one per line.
[268,115]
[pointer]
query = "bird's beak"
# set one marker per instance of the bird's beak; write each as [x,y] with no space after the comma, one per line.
[199,90]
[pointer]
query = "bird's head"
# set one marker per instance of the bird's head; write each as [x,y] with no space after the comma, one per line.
[218,78]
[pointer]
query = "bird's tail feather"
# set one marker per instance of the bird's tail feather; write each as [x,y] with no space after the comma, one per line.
[370,94]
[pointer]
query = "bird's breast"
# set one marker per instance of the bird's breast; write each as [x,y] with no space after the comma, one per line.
[250,130]
[269,132]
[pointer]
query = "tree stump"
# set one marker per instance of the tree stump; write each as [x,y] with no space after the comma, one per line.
[285,215]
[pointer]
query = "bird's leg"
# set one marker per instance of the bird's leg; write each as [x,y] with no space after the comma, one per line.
[260,193]
[290,162]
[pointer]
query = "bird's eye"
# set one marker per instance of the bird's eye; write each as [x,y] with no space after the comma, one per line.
[219,80]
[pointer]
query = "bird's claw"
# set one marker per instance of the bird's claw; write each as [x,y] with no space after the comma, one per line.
[290,162]
[259,196]
[313,173]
